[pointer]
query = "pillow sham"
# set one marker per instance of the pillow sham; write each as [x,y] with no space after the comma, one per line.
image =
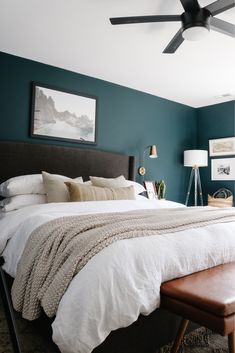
[139,188]
[117,183]
[88,182]
[19,201]
[23,184]
[56,190]
[81,192]
[108,182]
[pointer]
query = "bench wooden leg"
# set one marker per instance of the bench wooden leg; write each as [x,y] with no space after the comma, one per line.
[231,342]
[180,336]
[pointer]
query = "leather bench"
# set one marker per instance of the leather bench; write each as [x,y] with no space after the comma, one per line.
[206,298]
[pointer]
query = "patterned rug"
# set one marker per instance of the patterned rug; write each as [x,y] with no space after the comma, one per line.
[199,341]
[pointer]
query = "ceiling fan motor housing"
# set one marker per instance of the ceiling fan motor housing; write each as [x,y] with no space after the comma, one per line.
[200,18]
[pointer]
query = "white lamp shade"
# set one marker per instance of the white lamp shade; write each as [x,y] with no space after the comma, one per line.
[198,158]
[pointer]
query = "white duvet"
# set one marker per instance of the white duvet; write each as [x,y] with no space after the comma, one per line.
[124,279]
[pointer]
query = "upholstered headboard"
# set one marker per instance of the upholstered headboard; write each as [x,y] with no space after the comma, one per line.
[18,158]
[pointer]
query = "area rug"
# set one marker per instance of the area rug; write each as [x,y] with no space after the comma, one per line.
[200,341]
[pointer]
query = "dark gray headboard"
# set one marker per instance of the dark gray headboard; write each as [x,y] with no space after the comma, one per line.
[18,158]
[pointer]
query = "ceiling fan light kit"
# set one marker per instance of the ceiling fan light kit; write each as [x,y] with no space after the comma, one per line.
[195,33]
[195,25]
[196,22]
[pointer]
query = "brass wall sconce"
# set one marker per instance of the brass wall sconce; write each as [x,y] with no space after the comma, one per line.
[152,154]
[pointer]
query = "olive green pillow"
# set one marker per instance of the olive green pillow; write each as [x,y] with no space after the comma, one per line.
[81,192]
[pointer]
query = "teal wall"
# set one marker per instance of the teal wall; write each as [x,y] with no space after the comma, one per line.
[216,121]
[128,120]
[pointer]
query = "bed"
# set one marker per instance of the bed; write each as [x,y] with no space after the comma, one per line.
[143,328]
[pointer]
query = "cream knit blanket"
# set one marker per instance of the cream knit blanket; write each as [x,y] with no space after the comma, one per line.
[57,250]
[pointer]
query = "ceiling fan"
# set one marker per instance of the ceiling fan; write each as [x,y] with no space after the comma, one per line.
[196,21]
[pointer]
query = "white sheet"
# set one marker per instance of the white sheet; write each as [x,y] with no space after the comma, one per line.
[123,280]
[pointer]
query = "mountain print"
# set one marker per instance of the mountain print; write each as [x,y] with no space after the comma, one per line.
[50,121]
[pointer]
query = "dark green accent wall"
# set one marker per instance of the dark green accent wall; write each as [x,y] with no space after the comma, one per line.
[216,121]
[128,120]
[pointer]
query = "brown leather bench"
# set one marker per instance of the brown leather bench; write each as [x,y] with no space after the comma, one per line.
[207,298]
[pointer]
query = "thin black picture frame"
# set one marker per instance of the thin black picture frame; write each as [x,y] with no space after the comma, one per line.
[33,134]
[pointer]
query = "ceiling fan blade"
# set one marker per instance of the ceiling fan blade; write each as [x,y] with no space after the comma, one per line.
[222,27]
[190,5]
[144,19]
[174,44]
[220,6]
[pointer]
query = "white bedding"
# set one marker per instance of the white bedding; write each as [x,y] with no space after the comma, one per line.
[124,279]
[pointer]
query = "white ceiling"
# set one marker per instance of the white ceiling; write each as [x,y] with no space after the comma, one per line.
[77,35]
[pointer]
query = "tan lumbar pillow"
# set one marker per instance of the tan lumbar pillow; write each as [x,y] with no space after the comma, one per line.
[81,192]
[56,190]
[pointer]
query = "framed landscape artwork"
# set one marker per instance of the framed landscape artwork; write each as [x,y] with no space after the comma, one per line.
[222,147]
[63,115]
[223,169]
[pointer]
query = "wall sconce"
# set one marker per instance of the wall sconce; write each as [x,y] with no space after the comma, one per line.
[152,154]
[195,159]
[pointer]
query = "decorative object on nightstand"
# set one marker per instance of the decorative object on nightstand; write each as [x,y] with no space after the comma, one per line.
[161,189]
[152,154]
[195,159]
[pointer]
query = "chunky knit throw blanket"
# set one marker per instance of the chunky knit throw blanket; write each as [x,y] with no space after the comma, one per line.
[57,250]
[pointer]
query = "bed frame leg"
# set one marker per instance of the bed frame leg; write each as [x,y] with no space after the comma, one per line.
[180,335]
[9,310]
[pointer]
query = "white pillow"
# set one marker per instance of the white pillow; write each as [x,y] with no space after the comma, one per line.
[19,201]
[139,188]
[56,190]
[88,182]
[23,184]
[118,182]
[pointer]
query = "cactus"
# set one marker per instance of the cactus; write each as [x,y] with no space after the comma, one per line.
[161,189]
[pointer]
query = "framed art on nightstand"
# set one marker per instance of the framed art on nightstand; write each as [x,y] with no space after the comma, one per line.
[63,115]
[150,189]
